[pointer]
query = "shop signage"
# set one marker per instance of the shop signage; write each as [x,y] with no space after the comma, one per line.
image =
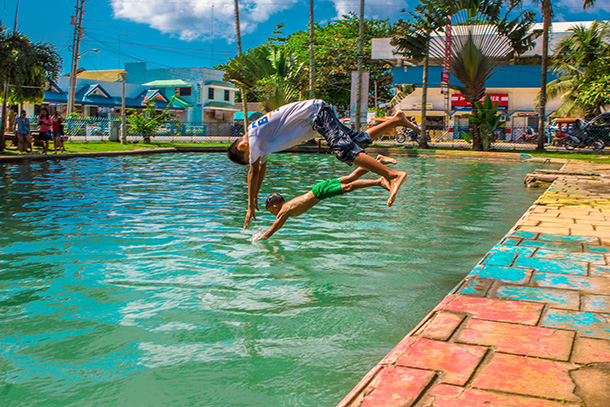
[105,109]
[459,103]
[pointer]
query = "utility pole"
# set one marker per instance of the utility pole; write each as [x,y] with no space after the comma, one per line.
[244,98]
[360,52]
[312,78]
[76,21]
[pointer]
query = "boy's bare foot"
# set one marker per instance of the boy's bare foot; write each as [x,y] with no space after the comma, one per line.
[383,183]
[402,118]
[385,160]
[395,184]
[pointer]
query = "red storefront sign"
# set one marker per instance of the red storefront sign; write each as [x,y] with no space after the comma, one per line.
[459,103]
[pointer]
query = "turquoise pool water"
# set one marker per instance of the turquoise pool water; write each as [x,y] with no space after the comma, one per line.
[129,281]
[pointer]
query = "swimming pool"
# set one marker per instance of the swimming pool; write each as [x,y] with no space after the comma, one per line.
[129,281]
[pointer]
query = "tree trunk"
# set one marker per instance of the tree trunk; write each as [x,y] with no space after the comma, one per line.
[477,143]
[244,96]
[423,138]
[3,123]
[546,24]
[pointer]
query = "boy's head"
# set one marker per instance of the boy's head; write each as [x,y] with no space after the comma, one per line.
[274,203]
[239,151]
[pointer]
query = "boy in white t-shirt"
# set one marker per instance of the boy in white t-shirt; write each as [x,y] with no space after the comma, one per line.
[297,122]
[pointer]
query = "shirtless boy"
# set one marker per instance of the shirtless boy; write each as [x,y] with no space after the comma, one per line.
[297,122]
[277,205]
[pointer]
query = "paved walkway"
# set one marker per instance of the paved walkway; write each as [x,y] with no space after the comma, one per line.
[529,326]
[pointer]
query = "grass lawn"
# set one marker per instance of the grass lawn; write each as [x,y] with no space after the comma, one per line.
[104,146]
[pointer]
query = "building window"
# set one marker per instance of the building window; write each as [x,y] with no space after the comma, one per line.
[184,92]
[211,93]
[227,96]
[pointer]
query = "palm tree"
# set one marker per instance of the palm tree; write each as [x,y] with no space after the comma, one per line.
[243,92]
[429,17]
[547,13]
[485,37]
[25,70]
[275,76]
[579,58]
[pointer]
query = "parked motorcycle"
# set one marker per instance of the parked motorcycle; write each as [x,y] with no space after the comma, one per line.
[571,142]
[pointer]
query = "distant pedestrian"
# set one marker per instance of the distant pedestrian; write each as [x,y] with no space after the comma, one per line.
[58,142]
[24,135]
[44,133]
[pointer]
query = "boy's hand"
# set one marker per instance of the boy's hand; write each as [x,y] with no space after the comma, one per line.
[251,214]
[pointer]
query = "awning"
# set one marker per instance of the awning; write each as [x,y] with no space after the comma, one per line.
[251,115]
[220,106]
[168,83]
[181,103]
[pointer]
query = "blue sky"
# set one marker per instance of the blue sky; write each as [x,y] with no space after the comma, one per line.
[195,33]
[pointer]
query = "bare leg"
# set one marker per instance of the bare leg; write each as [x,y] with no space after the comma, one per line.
[363,183]
[398,120]
[395,178]
[359,172]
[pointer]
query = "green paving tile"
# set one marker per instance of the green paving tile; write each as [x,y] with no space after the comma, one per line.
[525,235]
[507,274]
[559,298]
[574,239]
[596,249]
[600,271]
[584,257]
[586,323]
[587,284]
[576,247]
[559,266]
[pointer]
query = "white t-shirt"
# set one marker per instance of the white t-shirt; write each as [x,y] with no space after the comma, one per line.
[282,128]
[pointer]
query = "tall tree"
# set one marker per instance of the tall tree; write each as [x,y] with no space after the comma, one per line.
[25,70]
[486,35]
[547,15]
[244,96]
[336,56]
[272,75]
[414,42]
[581,60]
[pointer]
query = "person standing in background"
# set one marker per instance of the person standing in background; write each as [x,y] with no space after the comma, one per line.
[24,135]
[57,140]
[44,134]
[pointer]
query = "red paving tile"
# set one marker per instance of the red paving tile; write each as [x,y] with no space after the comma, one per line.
[443,395]
[494,309]
[527,376]
[589,350]
[518,339]
[441,326]
[456,361]
[394,386]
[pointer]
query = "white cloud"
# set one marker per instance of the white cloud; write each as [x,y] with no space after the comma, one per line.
[192,19]
[379,9]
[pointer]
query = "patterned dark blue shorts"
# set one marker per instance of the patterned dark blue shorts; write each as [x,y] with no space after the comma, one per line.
[344,142]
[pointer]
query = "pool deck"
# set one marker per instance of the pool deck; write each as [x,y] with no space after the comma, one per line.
[529,326]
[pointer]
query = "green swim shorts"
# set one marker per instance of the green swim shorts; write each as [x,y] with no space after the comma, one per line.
[327,189]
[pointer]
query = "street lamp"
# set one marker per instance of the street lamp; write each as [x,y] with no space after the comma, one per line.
[123,75]
[72,90]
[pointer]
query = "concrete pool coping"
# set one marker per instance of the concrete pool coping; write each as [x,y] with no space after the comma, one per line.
[528,326]
[454,154]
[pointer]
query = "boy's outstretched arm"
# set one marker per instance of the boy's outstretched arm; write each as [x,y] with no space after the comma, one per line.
[255,180]
[277,225]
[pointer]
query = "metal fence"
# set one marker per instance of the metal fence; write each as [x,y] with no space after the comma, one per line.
[509,138]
